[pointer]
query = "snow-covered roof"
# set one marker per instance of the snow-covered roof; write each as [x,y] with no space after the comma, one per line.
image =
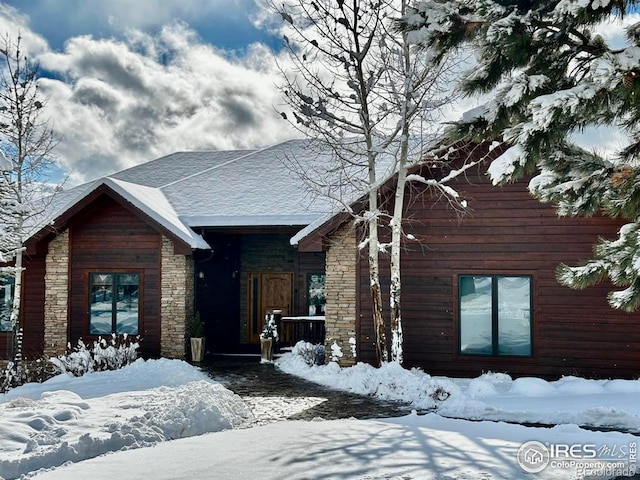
[153,203]
[385,172]
[185,190]
[246,190]
[311,227]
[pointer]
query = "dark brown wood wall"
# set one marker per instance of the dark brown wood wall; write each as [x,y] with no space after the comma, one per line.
[107,237]
[31,311]
[33,306]
[574,332]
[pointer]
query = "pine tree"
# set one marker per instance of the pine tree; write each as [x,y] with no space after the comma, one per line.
[551,74]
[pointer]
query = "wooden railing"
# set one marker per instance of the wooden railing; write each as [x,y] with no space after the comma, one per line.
[293,329]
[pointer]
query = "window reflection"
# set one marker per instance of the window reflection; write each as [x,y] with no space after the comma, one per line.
[495,315]
[114,303]
[475,315]
[316,293]
[514,316]
[6,302]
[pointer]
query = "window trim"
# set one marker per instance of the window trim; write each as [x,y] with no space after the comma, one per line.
[494,314]
[89,284]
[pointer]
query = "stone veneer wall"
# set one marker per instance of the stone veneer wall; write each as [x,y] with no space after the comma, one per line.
[341,294]
[176,304]
[56,297]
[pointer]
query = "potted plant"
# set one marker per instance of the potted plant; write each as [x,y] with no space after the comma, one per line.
[268,337]
[196,332]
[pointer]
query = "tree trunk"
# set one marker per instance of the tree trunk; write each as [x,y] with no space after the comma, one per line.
[396,285]
[16,352]
[374,281]
[378,321]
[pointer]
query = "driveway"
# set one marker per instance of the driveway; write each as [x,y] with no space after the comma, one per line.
[274,395]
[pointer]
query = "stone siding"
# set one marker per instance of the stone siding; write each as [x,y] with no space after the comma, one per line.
[176,304]
[56,296]
[341,294]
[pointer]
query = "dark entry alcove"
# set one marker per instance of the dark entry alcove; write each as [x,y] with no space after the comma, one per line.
[217,280]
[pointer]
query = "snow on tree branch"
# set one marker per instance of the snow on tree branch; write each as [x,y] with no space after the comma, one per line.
[26,143]
[357,87]
[551,73]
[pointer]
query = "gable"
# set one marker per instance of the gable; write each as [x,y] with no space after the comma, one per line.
[90,209]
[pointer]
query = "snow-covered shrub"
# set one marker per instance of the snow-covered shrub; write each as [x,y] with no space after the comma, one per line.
[9,378]
[336,352]
[439,394]
[38,371]
[102,355]
[270,329]
[20,370]
[310,353]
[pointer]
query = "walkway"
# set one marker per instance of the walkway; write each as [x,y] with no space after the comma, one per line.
[274,395]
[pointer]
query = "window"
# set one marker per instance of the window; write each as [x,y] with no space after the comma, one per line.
[114,300]
[495,314]
[316,293]
[6,302]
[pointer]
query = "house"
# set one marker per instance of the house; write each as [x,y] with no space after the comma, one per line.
[479,292]
[233,235]
[139,251]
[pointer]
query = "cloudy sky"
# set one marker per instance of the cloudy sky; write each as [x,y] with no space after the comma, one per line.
[130,81]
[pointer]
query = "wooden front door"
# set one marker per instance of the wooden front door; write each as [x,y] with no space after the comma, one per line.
[267,292]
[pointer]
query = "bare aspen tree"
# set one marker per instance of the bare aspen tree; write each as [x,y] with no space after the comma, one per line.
[26,145]
[357,87]
[332,90]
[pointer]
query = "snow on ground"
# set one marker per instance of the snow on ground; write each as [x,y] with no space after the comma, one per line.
[414,447]
[492,396]
[76,420]
[271,409]
[68,419]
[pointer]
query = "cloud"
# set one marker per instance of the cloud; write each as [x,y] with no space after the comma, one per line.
[116,103]
[224,23]
[153,13]
[613,30]
[119,101]
[15,24]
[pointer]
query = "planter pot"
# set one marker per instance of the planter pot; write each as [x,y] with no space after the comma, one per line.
[266,350]
[197,349]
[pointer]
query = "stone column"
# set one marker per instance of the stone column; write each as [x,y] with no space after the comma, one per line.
[176,304]
[341,296]
[56,296]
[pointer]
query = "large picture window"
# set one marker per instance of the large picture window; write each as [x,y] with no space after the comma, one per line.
[114,303]
[6,302]
[495,314]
